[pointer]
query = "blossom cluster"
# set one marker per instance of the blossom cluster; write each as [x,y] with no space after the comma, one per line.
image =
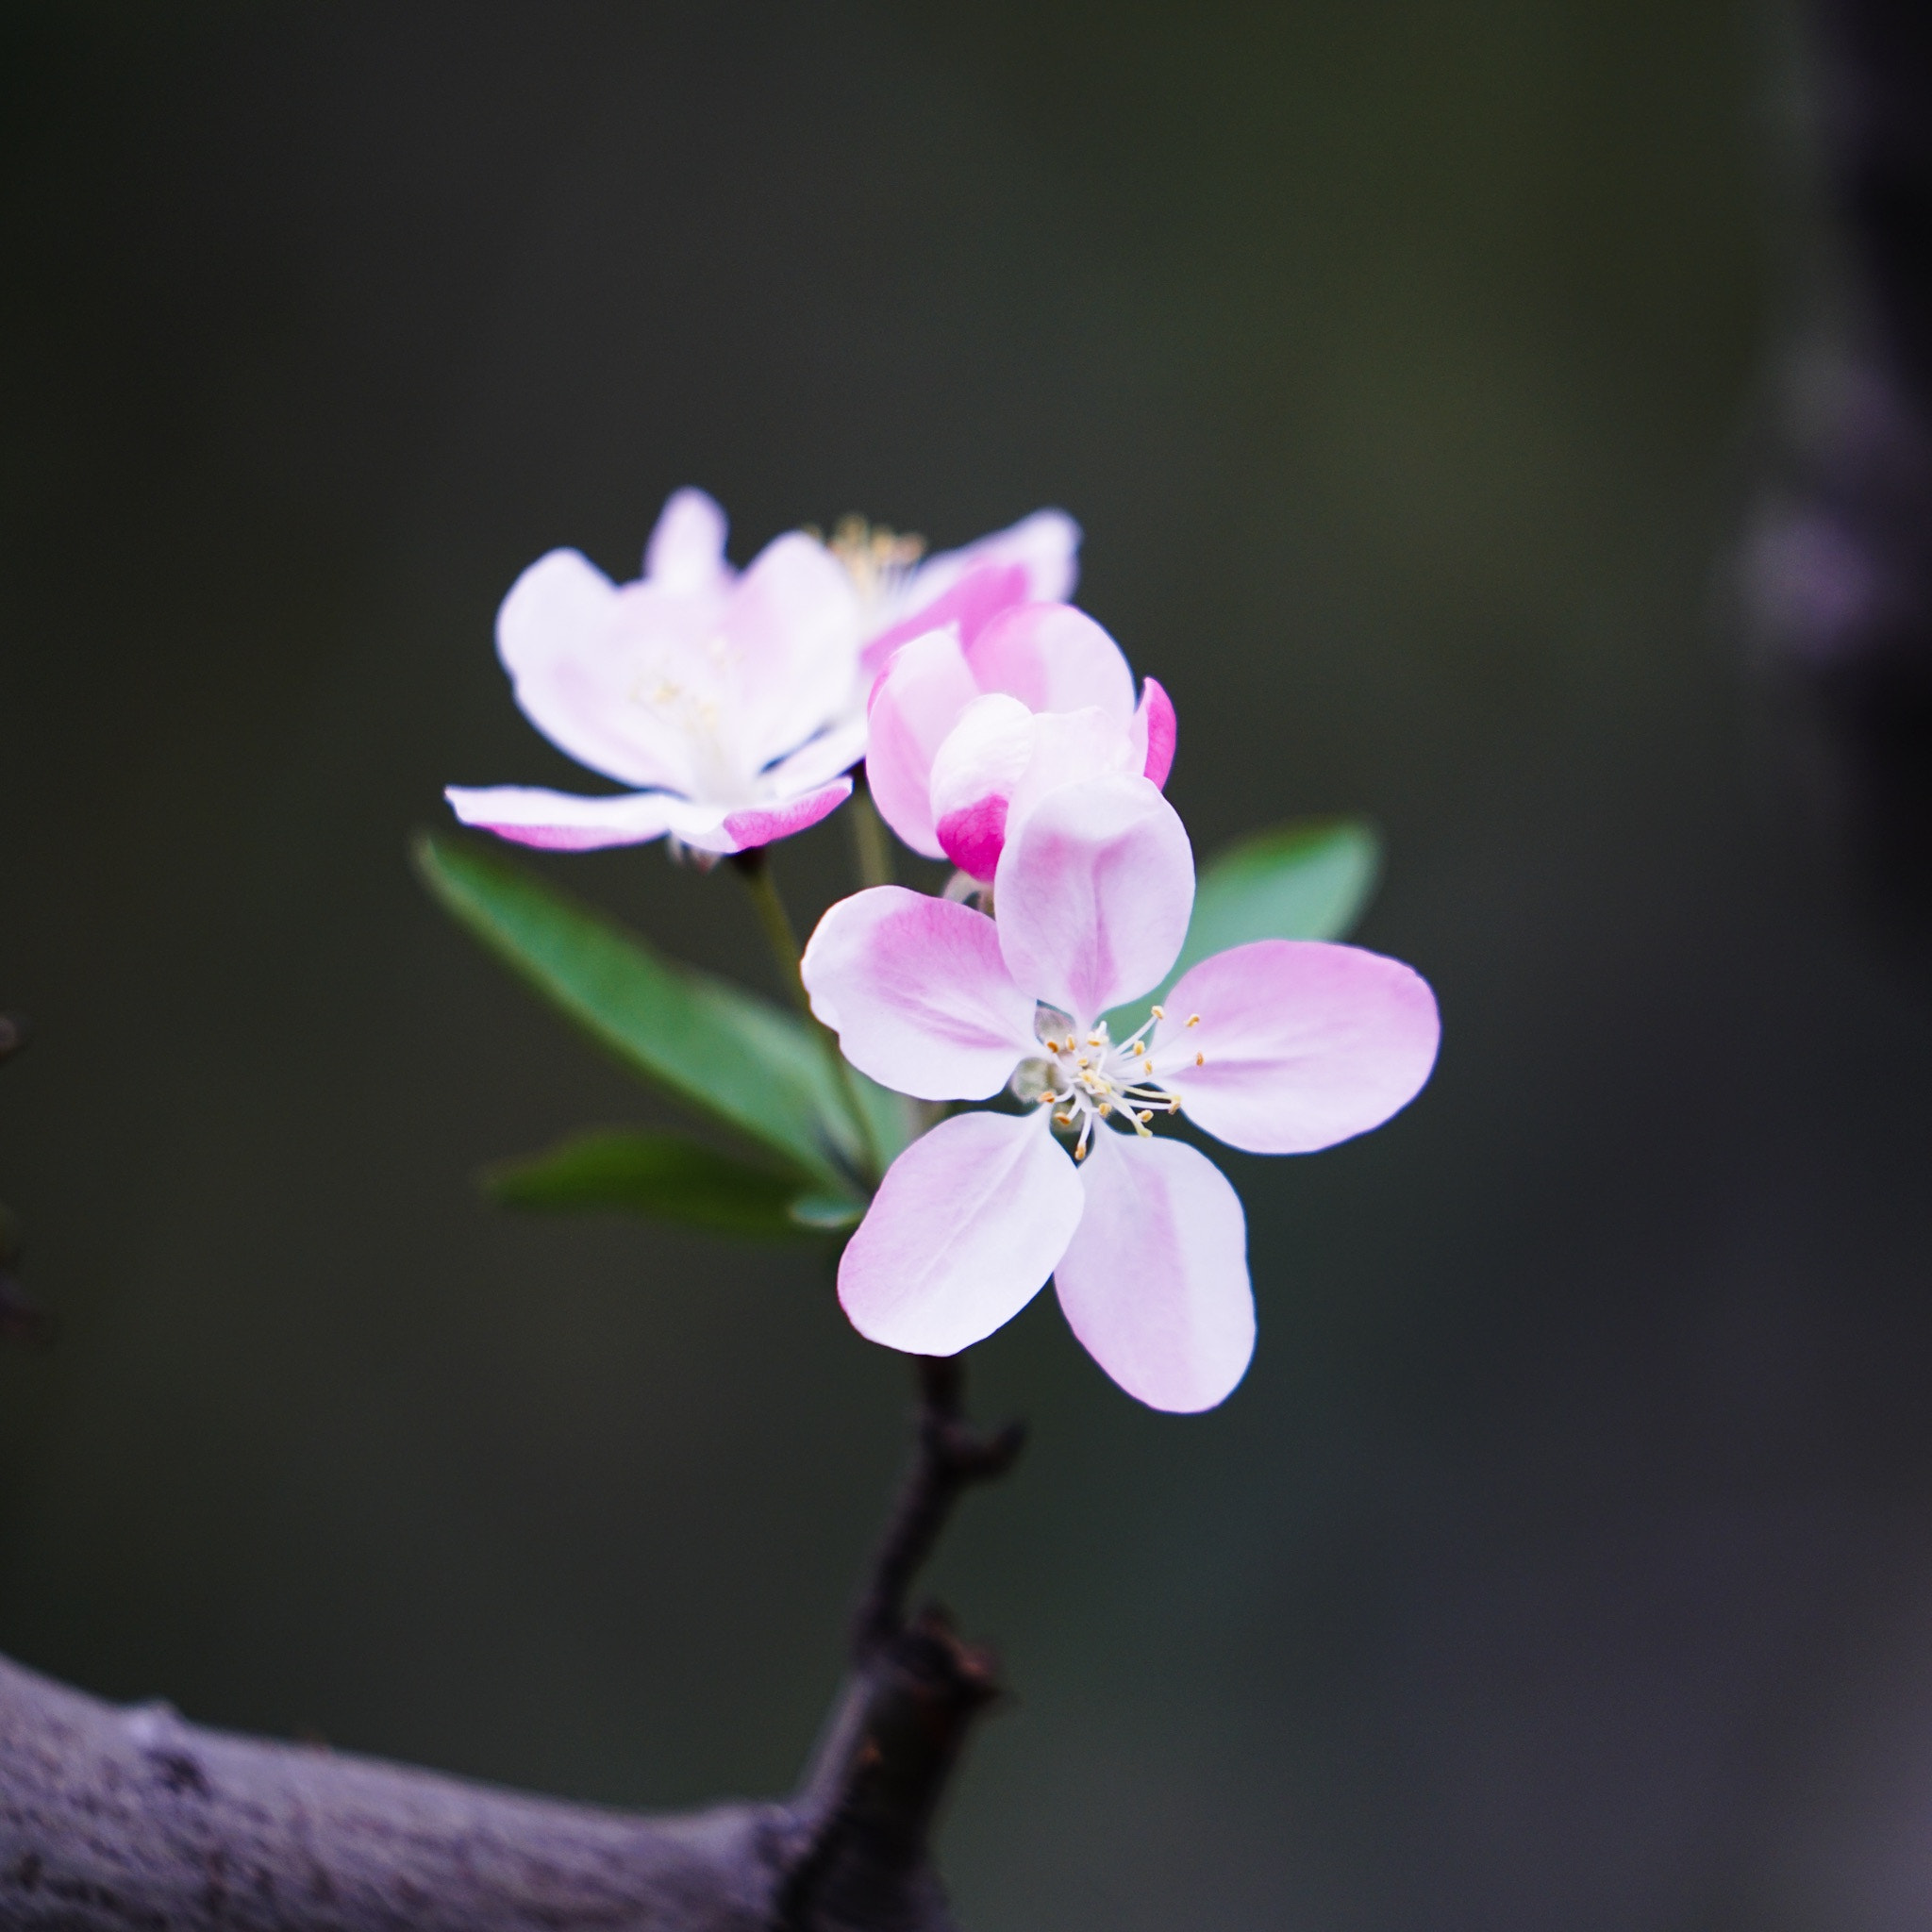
[1001,729]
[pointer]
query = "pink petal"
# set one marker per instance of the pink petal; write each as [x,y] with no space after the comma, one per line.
[1052,659]
[1094,890]
[1046,546]
[563,822]
[760,824]
[561,635]
[1156,1281]
[966,608]
[820,760]
[983,758]
[686,553]
[963,1232]
[915,704]
[791,634]
[919,994]
[1155,729]
[1301,1044]
[1068,747]
[974,836]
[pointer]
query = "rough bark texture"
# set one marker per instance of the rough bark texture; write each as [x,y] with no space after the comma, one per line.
[131,1818]
[115,1819]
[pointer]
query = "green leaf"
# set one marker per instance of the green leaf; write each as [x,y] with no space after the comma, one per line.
[826,1213]
[711,1045]
[1308,879]
[892,1119]
[669,1178]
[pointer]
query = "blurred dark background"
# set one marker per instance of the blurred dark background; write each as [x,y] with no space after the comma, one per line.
[1566,1557]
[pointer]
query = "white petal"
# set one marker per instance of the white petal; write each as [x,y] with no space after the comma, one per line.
[1093,893]
[827,755]
[1299,1044]
[565,634]
[917,701]
[963,1232]
[918,993]
[790,636]
[564,822]
[1156,1281]
[686,553]
[1046,545]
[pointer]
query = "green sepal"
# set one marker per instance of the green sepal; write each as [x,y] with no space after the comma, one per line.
[669,1178]
[709,1044]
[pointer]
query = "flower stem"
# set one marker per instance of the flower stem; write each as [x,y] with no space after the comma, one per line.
[870,844]
[781,936]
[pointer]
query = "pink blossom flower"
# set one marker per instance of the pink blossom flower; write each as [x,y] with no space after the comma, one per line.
[1278,1047]
[724,697]
[969,731]
[727,699]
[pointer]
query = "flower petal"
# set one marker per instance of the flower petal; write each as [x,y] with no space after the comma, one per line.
[963,1232]
[1301,1044]
[817,763]
[1046,546]
[918,993]
[1052,659]
[1156,1281]
[967,606]
[1068,747]
[760,824]
[1154,731]
[563,822]
[1093,890]
[915,704]
[983,758]
[563,634]
[791,635]
[686,553]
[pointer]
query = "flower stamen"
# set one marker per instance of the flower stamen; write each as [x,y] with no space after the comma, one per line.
[1088,1079]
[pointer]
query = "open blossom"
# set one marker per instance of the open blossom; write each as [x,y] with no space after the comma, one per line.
[728,700]
[1278,1047]
[718,695]
[971,729]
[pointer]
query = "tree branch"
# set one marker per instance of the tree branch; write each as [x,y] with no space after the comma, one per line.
[131,1820]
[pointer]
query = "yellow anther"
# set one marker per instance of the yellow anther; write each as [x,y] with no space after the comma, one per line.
[1145,1118]
[1066,1120]
[1194,1019]
[1106,1109]
[1080,1151]
[1160,1012]
[1200,1060]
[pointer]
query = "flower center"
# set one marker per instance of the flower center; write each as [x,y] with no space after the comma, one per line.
[1088,1078]
[875,559]
[693,691]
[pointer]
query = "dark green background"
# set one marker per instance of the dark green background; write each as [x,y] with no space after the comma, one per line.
[1566,1557]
